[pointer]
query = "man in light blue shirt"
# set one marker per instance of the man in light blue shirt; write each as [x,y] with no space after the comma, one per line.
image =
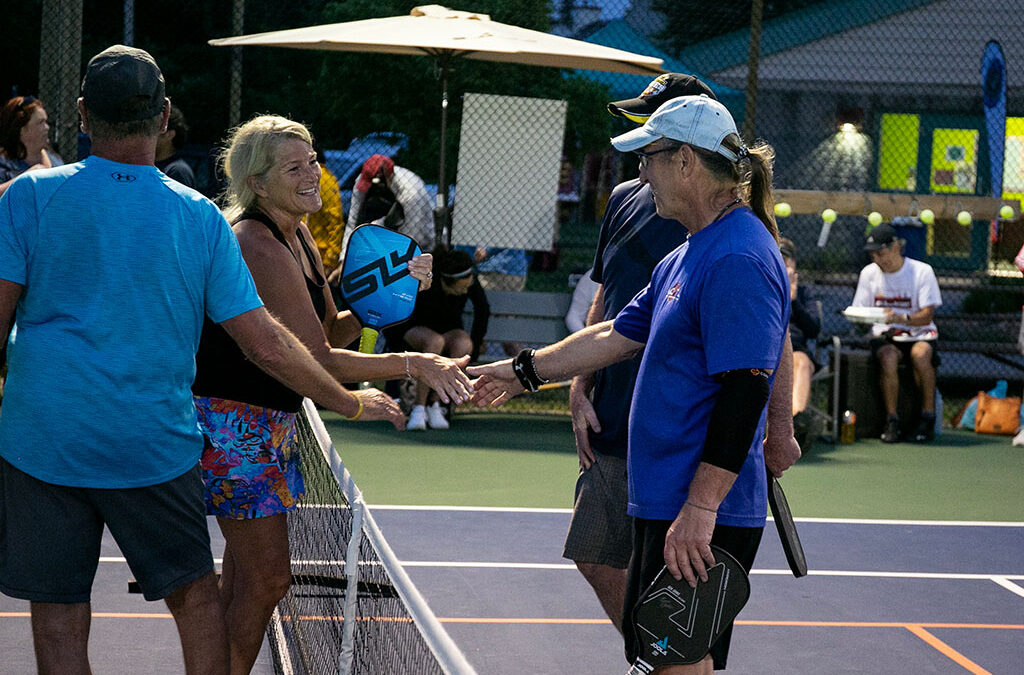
[107,268]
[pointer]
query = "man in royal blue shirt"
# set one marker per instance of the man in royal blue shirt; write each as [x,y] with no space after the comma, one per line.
[712,323]
[633,239]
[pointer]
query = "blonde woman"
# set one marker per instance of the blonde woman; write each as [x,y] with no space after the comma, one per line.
[250,466]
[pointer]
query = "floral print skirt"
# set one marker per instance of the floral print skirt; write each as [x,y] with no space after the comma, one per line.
[251,465]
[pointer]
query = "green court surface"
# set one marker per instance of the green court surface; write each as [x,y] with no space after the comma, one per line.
[529,460]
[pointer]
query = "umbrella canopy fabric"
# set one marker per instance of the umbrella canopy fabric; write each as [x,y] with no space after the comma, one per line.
[437,31]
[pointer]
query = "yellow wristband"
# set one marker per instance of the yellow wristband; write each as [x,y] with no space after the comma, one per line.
[358,412]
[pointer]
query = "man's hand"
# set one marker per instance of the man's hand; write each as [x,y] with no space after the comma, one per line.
[780,453]
[379,406]
[688,544]
[443,375]
[495,385]
[584,418]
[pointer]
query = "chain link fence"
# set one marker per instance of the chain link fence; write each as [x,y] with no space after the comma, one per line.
[872,107]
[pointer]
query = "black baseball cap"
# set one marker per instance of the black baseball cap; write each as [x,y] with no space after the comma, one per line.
[880,236]
[663,88]
[123,84]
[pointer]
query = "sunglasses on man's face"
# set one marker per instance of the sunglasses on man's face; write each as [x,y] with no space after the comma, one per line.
[645,156]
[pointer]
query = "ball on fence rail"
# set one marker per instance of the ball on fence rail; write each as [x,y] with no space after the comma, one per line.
[875,218]
[828,215]
[927,217]
[964,218]
[1006,212]
[783,209]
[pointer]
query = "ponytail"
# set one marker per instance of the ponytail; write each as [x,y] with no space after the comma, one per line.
[760,192]
[752,174]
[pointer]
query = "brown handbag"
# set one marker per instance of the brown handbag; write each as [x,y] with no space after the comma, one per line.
[997,415]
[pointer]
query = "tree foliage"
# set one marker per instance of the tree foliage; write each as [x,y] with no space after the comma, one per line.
[339,95]
[688,23]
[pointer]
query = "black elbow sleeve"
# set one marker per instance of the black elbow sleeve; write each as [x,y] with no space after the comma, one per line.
[734,418]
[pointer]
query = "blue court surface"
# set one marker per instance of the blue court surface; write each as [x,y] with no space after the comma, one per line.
[882,597]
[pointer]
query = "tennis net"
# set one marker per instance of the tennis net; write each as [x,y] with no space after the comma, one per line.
[351,607]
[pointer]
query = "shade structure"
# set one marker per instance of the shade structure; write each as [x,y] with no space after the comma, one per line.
[436,31]
[446,35]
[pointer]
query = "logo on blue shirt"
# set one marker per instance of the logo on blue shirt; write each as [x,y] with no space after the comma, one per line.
[673,293]
[123,177]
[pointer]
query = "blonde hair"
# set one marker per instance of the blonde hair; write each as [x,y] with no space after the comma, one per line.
[250,150]
[752,174]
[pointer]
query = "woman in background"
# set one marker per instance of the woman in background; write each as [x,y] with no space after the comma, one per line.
[24,139]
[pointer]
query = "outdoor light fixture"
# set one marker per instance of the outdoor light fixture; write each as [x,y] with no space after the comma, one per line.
[849,119]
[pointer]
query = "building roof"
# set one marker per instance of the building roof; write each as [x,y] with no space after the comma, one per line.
[937,46]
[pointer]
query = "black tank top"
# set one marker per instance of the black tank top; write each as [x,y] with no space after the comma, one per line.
[223,371]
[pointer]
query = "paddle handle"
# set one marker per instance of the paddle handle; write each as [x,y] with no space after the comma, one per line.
[367,340]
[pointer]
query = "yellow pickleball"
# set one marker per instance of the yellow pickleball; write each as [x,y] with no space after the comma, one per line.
[1006,212]
[783,210]
[964,218]
[875,218]
[828,215]
[928,217]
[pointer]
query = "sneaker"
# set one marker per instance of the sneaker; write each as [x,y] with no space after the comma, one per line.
[435,417]
[925,428]
[891,434]
[417,419]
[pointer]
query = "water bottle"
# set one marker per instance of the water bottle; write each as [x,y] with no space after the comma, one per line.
[848,433]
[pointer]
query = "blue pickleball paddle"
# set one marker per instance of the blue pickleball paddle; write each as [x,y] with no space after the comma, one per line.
[375,280]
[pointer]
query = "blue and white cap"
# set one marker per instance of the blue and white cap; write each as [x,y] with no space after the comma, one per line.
[695,120]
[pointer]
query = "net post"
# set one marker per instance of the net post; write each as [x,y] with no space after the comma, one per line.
[352,587]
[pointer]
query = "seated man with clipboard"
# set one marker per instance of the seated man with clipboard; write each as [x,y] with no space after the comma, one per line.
[908,293]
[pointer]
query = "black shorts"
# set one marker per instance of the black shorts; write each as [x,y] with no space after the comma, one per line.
[649,557]
[50,535]
[877,343]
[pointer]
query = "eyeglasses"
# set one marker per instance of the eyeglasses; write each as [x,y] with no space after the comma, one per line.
[645,156]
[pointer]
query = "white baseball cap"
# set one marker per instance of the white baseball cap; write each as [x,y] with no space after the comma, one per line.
[695,120]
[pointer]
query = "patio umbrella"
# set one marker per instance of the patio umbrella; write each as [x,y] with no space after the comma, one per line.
[446,35]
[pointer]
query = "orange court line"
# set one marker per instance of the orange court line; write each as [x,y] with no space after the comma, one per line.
[880,624]
[947,651]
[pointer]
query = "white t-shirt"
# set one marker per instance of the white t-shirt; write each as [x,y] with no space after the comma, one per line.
[906,291]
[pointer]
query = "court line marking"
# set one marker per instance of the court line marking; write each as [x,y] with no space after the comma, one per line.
[769,572]
[1003,580]
[947,651]
[585,622]
[839,521]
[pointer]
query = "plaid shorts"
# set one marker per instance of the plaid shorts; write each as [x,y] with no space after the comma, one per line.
[601,531]
[251,465]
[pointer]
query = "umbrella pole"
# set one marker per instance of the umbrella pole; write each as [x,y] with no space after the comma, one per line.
[442,229]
